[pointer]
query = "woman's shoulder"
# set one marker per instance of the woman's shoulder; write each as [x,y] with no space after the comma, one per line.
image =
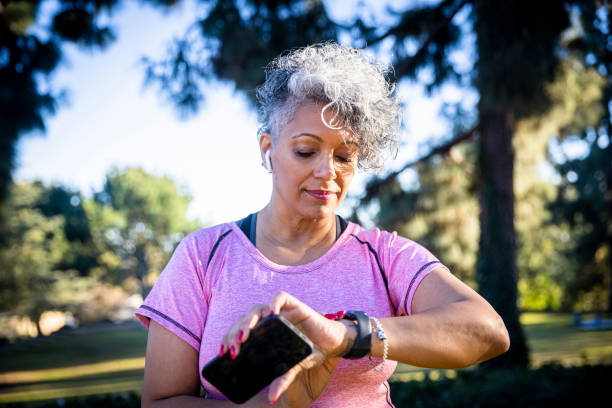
[207,236]
[377,236]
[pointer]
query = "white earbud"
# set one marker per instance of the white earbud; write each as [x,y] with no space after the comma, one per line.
[268,164]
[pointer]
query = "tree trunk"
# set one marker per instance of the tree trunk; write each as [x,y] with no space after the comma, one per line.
[496,271]
[609,276]
[608,159]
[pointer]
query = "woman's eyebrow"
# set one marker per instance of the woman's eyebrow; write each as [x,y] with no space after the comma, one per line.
[321,139]
[307,134]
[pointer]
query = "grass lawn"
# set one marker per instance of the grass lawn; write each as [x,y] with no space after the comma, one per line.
[552,337]
[91,360]
[108,359]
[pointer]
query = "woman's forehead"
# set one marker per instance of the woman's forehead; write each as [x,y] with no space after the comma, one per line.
[307,121]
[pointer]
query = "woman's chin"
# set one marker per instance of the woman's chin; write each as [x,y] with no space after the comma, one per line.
[318,212]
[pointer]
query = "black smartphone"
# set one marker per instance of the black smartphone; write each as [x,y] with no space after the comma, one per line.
[274,346]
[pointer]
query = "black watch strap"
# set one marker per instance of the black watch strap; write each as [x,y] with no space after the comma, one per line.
[363,341]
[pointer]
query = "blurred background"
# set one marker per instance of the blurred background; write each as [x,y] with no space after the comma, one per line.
[125,125]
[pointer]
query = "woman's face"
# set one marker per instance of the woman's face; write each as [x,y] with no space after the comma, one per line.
[312,165]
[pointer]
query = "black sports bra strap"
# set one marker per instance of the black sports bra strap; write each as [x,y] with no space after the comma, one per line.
[248,225]
[253,229]
[245,224]
[341,225]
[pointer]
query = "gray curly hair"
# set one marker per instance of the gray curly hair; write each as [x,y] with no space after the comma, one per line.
[344,80]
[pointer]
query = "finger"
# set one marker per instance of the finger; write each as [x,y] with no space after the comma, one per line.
[280,384]
[282,300]
[240,331]
[228,343]
[328,335]
[250,321]
[290,308]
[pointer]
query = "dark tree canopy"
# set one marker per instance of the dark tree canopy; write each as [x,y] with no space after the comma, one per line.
[585,196]
[240,38]
[518,48]
[28,57]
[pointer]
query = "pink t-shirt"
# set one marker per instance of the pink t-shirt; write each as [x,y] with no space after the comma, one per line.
[216,274]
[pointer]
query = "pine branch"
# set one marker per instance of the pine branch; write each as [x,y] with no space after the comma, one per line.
[376,185]
[399,28]
[406,65]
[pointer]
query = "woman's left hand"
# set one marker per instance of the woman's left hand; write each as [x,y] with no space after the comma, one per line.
[304,387]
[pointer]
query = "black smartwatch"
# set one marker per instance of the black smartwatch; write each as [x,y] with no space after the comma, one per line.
[363,342]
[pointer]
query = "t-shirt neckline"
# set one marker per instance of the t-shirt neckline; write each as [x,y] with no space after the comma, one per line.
[304,268]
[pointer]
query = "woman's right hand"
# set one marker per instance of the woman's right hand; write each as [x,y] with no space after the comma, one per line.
[307,380]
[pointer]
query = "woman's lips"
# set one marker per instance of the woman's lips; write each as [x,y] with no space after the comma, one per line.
[321,194]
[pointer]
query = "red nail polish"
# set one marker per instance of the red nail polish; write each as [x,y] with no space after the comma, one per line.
[240,336]
[330,316]
[340,314]
[222,350]
[232,352]
[274,401]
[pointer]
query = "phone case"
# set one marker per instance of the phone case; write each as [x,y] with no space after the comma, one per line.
[274,346]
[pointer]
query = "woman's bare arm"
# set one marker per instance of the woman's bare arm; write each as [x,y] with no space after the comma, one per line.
[171,377]
[451,326]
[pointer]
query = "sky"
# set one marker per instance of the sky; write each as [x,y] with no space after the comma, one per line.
[109,118]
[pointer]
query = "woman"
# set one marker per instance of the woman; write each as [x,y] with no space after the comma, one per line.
[326,110]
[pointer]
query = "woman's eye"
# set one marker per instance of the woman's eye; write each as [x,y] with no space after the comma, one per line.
[344,159]
[304,154]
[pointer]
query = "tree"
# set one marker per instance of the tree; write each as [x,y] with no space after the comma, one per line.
[82,254]
[32,246]
[585,199]
[507,34]
[517,52]
[57,249]
[441,212]
[28,57]
[147,217]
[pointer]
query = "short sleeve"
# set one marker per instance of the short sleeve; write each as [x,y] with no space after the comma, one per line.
[406,264]
[177,300]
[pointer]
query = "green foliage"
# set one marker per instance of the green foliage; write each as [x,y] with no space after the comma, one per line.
[143,198]
[236,39]
[139,218]
[548,386]
[518,55]
[21,14]
[585,202]
[124,400]
[433,26]
[29,56]
[33,245]
[61,252]
[23,105]
[442,213]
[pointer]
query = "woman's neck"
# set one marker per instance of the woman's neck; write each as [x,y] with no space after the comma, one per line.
[289,239]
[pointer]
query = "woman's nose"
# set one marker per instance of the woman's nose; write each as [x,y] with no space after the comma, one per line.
[325,168]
